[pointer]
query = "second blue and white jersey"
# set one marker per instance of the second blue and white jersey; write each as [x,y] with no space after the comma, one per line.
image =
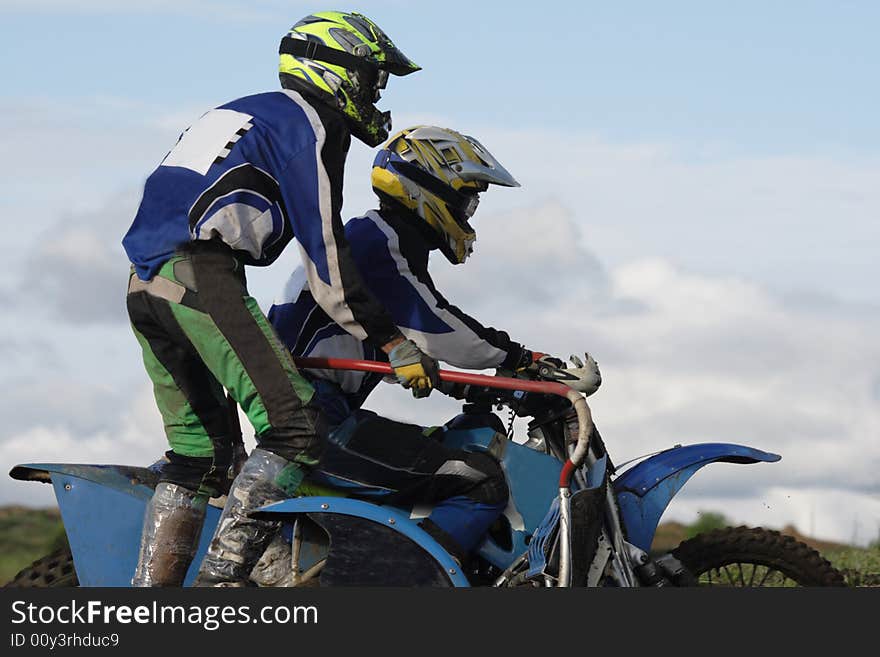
[392,258]
[255,173]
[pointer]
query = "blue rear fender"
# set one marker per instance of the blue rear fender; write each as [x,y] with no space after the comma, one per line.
[645,490]
[102,507]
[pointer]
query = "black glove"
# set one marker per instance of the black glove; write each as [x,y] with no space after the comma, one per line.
[454,390]
[543,361]
[537,363]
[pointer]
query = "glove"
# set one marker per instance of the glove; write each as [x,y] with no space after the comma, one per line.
[540,358]
[414,369]
[456,390]
[529,363]
[583,377]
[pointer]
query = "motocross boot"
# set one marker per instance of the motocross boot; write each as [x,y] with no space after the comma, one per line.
[172,524]
[240,540]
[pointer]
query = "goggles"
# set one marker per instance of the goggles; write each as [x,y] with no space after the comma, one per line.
[463,206]
[373,77]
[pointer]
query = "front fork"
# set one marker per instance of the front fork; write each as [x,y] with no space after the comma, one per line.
[612,544]
[629,564]
[622,558]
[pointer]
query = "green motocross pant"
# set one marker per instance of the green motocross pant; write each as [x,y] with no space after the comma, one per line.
[201,332]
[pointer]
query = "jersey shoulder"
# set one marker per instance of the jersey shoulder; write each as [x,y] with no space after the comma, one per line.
[365,227]
[372,241]
[284,117]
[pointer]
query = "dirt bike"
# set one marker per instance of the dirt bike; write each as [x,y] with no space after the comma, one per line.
[572,518]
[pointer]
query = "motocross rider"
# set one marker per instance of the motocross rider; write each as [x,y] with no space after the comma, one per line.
[428,180]
[240,183]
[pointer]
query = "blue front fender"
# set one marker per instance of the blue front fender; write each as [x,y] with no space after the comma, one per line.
[645,490]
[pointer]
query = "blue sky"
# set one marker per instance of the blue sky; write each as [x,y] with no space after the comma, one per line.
[704,177]
[766,76]
[706,83]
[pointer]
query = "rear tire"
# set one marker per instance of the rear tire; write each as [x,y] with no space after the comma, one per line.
[750,557]
[53,570]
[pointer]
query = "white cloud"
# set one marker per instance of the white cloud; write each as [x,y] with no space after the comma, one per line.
[78,269]
[796,222]
[825,513]
[719,297]
[72,154]
[693,358]
[79,407]
[136,438]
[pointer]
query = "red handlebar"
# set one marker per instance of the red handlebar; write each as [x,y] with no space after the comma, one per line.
[504,383]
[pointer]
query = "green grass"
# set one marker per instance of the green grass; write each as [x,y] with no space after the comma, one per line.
[26,535]
[861,567]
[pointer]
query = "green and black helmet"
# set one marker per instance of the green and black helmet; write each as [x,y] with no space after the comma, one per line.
[344,59]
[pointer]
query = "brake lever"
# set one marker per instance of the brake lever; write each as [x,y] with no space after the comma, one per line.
[584,377]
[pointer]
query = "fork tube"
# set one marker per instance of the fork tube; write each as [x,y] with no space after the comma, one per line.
[621,553]
[564,537]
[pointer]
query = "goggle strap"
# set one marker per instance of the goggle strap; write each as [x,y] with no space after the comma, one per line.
[321,53]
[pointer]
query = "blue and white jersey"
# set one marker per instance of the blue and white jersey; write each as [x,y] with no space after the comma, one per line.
[392,257]
[256,173]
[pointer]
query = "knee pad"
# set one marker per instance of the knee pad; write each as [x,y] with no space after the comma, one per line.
[303,441]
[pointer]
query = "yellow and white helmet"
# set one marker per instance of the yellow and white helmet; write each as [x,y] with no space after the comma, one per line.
[436,174]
